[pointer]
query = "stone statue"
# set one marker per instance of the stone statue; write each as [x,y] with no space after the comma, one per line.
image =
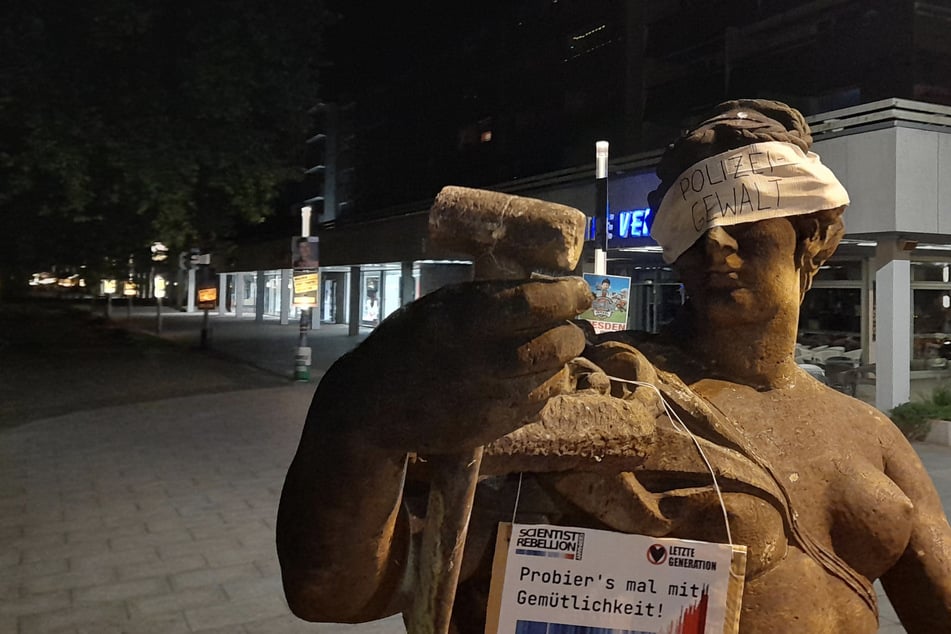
[824,491]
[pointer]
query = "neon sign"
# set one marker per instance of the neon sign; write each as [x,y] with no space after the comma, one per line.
[631,224]
[634,223]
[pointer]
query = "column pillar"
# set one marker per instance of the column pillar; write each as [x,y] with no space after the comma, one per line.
[892,325]
[238,294]
[190,291]
[407,284]
[259,292]
[222,293]
[285,296]
[355,312]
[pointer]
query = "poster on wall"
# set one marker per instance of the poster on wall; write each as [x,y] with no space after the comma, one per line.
[609,310]
[563,580]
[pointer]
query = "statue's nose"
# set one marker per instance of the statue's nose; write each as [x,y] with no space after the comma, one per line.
[722,247]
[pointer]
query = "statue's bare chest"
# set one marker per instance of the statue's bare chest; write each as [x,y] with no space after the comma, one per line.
[825,449]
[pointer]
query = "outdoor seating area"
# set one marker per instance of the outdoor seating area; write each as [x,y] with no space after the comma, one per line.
[841,369]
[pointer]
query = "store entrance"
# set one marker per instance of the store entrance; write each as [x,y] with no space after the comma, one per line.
[654,305]
[370,313]
[328,304]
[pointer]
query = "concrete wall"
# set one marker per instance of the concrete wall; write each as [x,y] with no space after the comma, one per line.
[899,180]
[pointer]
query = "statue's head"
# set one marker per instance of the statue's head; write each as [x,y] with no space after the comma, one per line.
[748,163]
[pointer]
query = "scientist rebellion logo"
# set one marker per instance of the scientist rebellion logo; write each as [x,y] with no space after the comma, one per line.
[550,542]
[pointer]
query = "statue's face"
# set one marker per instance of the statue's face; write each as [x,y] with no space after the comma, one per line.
[742,274]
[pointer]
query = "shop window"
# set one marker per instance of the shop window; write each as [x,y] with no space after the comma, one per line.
[831,317]
[839,271]
[931,345]
[371,300]
[930,272]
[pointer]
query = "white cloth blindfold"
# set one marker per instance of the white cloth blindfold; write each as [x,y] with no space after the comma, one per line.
[754,182]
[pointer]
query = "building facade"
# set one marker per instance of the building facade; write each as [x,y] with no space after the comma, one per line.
[882,304]
[514,101]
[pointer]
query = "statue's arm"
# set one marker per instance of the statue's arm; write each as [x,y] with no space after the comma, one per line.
[454,370]
[919,584]
[342,538]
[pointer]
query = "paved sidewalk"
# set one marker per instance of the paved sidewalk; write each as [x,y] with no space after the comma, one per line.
[158,517]
[266,344]
[155,518]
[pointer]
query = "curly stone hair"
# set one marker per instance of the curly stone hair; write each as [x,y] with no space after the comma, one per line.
[742,122]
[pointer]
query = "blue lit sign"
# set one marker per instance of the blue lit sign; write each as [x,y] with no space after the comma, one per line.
[632,224]
[625,224]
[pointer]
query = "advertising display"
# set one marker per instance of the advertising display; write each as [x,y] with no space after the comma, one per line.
[306,287]
[207,298]
[305,253]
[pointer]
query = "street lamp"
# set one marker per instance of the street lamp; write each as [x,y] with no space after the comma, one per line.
[302,359]
[305,221]
[601,211]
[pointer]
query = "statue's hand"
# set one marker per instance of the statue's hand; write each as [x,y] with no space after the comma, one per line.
[461,366]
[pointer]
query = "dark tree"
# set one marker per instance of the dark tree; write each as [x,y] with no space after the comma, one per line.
[128,121]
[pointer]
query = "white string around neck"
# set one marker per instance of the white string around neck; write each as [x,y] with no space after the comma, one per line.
[680,426]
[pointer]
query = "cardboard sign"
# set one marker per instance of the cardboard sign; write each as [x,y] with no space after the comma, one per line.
[556,579]
[609,309]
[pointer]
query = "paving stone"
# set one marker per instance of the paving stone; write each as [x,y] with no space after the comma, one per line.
[10,532]
[286,624]
[96,534]
[178,601]
[250,589]
[37,603]
[235,613]
[269,567]
[121,590]
[209,576]
[64,551]
[8,623]
[174,521]
[68,580]
[10,588]
[92,615]
[34,569]
[139,517]
[79,513]
[204,547]
[242,532]
[112,559]
[241,555]
[146,540]
[229,629]
[164,624]
[10,556]
[92,522]
[38,540]
[160,567]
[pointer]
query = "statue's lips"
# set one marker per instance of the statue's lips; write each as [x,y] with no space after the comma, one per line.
[723,280]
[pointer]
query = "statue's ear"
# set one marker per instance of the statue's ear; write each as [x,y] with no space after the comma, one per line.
[818,237]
